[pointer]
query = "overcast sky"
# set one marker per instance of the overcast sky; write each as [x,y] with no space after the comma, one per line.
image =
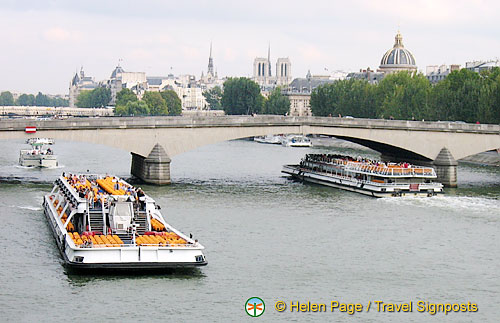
[45,42]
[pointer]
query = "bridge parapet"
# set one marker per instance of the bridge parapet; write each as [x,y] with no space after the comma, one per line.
[235,121]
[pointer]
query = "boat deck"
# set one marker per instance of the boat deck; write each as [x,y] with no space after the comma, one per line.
[370,167]
[102,189]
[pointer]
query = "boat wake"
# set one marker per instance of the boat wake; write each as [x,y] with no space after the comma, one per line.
[447,202]
[31,208]
[22,167]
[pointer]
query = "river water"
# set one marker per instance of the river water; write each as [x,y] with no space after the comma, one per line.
[265,236]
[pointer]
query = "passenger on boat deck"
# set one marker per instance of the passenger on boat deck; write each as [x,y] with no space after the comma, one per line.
[140,193]
[91,198]
[117,186]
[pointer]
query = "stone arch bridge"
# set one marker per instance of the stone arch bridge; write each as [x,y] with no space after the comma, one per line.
[153,140]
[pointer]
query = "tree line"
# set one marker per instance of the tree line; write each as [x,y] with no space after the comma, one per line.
[153,103]
[96,98]
[463,95]
[243,96]
[39,100]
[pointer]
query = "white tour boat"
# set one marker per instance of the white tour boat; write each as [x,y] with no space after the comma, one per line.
[296,141]
[368,177]
[269,139]
[38,156]
[104,223]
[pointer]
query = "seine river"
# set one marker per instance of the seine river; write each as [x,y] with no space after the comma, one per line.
[265,236]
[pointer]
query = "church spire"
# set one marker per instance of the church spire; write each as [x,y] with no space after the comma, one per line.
[269,57]
[210,71]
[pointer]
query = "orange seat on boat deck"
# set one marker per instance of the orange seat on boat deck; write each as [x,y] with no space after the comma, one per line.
[378,181]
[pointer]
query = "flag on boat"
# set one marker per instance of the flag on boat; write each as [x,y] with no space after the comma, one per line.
[30,129]
[414,187]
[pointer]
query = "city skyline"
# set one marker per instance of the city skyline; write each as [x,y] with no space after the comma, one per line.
[46,42]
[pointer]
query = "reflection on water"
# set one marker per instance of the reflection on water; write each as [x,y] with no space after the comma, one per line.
[80,279]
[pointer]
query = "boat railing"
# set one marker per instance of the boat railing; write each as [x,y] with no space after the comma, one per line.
[381,170]
[390,170]
[131,245]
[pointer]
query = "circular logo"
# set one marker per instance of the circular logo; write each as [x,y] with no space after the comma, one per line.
[255,306]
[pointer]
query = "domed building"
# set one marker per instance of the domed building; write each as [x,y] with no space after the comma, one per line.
[397,58]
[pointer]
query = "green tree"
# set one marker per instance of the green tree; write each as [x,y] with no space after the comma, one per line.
[276,103]
[84,99]
[6,98]
[174,104]
[124,96]
[214,98]
[156,103]
[241,96]
[133,108]
[493,113]
[97,98]
[403,95]
[59,102]
[100,97]
[345,97]
[457,97]
[41,100]
[26,100]
[323,100]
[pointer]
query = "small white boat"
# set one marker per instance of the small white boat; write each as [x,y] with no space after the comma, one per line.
[296,141]
[269,139]
[38,156]
[104,223]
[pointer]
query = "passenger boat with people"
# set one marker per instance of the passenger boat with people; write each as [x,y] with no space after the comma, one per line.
[296,141]
[370,177]
[104,223]
[38,156]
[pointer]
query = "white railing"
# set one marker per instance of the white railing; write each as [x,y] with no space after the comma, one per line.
[365,182]
[414,171]
[391,171]
[103,246]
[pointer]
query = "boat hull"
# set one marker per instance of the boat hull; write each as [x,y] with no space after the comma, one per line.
[273,140]
[353,185]
[120,259]
[38,161]
[298,145]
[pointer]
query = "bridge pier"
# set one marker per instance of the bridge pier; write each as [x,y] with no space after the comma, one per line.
[444,164]
[446,168]
[154,169]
